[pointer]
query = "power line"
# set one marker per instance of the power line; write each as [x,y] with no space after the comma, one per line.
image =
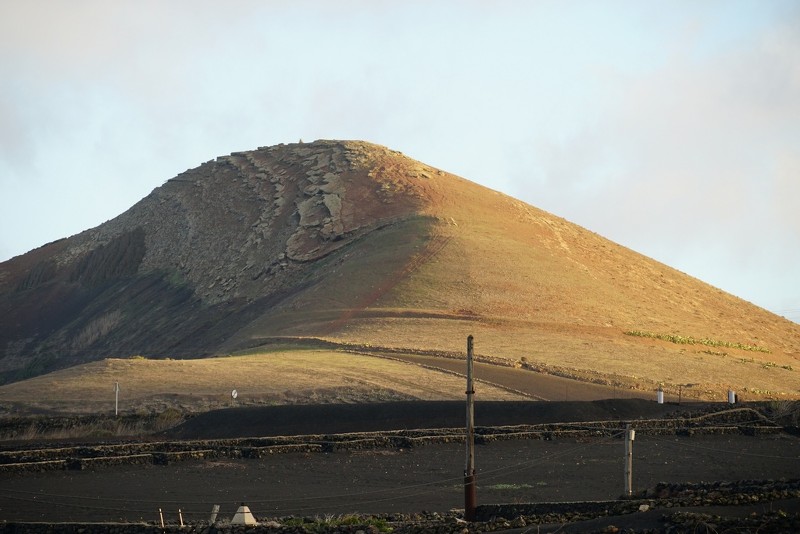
[485,475]
[361,498]
[495,473]
[490,474]
[683,446]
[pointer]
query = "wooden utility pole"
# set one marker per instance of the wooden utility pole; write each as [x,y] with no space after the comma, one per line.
[470,498]
[629,436]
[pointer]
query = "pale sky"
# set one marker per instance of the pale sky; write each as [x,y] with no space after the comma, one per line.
[670,127]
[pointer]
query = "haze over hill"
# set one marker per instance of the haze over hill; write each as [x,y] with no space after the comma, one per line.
[359,245]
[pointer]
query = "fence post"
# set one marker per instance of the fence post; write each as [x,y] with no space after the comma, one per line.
[470,498]
[629,437]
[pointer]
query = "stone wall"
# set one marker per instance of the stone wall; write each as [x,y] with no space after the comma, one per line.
[663,496]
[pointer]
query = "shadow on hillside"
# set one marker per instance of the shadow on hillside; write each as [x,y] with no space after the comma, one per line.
[342,418]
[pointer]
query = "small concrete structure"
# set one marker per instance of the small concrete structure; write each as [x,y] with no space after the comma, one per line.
[243,516]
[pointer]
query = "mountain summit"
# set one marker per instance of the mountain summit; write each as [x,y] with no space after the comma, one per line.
[353,243]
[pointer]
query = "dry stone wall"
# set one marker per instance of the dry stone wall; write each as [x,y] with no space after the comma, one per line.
[162,453]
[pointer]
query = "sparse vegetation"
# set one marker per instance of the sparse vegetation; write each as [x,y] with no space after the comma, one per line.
[507,487]
[175,278]
[167,419]
[761,392]
[785,412]
[325,523]
[688,340]
[38,428]
[96,329]
[172,388]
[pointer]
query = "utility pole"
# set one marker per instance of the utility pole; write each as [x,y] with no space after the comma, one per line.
[470,498]
[630,434]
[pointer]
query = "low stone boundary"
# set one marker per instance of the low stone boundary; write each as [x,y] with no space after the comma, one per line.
[81,528]
[663,496]
[261,452]
[104,461]
[164,458]
[560,512]
[671,498]
[23,467]
[734,421]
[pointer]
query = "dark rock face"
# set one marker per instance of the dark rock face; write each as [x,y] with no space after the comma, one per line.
[182,271]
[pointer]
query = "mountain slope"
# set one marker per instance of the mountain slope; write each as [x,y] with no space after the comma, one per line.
[358,244]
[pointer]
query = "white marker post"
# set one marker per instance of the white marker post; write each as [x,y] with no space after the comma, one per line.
[116,398]
[630,435]
[214,512]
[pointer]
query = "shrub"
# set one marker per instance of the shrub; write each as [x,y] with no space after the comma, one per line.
[167,419]
[785,412]
[688,340]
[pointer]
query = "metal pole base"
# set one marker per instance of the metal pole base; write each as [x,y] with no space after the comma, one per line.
[470,497]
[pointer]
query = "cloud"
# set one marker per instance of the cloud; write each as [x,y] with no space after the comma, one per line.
[705,136]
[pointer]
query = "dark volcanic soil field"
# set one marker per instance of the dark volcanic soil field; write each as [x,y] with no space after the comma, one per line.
[426,477]
[341,418]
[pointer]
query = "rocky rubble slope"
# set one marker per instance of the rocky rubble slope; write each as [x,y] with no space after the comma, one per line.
[202,255]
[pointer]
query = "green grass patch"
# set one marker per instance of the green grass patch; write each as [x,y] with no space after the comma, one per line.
[507,487]
[688,340]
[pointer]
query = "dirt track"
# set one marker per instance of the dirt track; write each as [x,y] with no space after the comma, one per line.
[423,478]
[540,386]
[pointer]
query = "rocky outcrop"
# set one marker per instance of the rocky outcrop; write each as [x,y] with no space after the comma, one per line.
[209,251]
